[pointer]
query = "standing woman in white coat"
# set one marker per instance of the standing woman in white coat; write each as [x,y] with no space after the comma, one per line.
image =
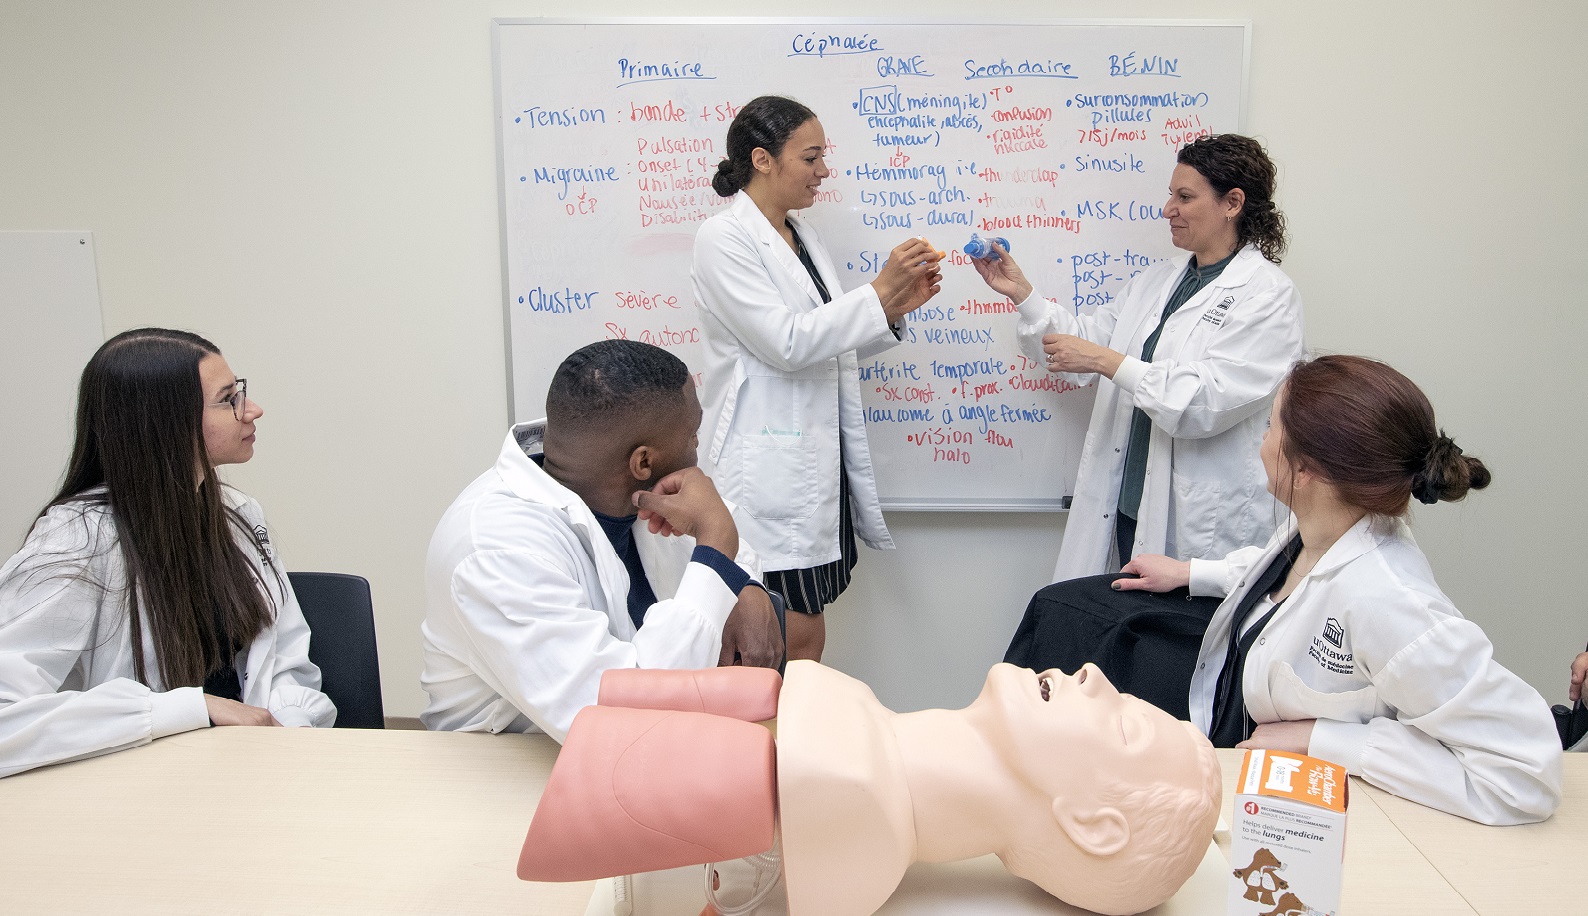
[147,599]
[1191,350]
[783,433]
[1334,639]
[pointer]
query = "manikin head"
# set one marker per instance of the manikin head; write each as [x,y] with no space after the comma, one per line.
[1118,798]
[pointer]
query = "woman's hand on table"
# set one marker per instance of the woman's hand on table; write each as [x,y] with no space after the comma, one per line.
[230,712]
[1294,737]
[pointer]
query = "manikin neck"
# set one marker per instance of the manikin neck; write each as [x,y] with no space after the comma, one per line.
[955,785]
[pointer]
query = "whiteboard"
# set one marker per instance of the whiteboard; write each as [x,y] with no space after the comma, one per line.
[49,303]
[1058,136]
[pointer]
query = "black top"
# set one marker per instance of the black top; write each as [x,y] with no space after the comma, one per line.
[620,531]
[810,266]
[1193,281]
[226,682]
[1231,723]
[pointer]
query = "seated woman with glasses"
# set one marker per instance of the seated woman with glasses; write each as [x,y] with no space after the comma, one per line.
[147,599]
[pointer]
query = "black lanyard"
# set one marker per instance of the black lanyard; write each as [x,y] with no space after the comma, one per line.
[810,266]
[1231,725]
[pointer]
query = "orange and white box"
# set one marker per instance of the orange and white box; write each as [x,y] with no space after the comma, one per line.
[1287,836]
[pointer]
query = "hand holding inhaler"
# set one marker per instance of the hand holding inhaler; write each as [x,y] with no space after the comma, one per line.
[908,279]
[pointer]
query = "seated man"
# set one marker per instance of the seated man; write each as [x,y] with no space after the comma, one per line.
[542,575]
[1099,798]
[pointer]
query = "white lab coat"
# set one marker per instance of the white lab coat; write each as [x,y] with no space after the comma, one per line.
[1405,691]
[526,602]
[1208,391]
[67,685]
[782,387]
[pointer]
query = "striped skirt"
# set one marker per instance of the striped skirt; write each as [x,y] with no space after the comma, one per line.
[809,590]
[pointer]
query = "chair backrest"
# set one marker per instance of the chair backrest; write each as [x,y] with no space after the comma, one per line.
[342,643]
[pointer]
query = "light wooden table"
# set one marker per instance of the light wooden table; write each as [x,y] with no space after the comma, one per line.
[1504,871]
[282,820]
[265,820]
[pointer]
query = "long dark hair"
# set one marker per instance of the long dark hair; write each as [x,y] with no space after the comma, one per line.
[1231,161]
[139,446]
[765,122]
[1370,431]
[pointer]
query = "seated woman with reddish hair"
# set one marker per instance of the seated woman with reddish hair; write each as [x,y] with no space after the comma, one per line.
[1334,640]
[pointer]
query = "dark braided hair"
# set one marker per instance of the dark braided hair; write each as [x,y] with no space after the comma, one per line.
[766,123]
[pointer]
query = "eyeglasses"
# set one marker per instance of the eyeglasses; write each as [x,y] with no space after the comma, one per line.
[238,401]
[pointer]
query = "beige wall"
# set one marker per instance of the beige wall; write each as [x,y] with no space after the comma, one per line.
[312,185]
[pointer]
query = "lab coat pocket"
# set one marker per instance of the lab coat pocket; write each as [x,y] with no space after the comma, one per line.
[781,474]
[1293,698]
[1197,511]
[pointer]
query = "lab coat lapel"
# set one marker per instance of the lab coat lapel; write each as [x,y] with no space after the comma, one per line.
[1148,319]
[776,253]
[818,254]
[533,484]
[1235,275]
[1364,536]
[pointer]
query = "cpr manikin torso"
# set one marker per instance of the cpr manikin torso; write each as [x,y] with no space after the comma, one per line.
[1101,799]
[848,827]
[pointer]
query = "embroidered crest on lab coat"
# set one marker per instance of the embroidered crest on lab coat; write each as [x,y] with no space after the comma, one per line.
[1216,314]
[1328,649]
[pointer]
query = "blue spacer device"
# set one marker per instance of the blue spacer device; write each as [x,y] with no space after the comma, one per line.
[981,248]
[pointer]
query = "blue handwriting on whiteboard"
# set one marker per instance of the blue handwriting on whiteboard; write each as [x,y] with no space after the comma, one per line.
[565,117]
[558,301]
[902,66]
[591,174]
[1003,69]
[1145,65]
[865,171]
[1136,99]
[634,71]
[815,45]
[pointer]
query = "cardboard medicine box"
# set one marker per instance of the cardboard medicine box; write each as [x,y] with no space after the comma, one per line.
[1287,836]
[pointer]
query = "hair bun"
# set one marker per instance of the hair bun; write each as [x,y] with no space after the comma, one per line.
[1429,484]
[1426,491]
[728,181]
[1447,474]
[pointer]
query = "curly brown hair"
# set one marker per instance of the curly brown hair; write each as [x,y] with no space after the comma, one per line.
[1231,161]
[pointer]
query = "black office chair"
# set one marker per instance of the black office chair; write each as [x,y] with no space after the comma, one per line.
[342,643]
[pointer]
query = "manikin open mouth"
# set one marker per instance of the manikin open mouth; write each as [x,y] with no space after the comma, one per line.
[1045,682]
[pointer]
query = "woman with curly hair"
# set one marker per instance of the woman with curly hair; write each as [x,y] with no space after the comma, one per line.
[1190,351]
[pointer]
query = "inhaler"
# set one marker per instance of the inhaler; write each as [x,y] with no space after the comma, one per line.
[981,248]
